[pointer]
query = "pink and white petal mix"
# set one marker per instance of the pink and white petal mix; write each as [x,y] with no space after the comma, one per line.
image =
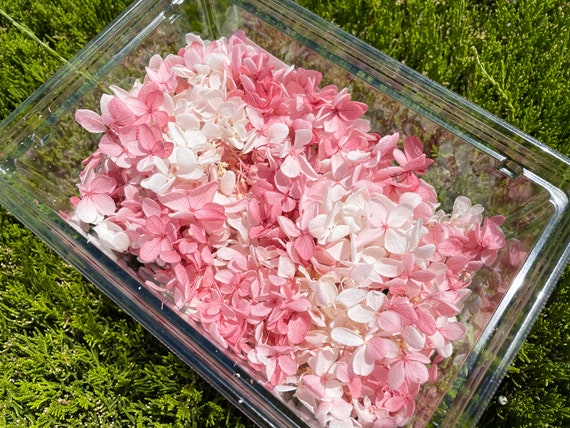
[301,241]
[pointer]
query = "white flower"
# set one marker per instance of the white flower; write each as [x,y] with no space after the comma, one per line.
[112,236]
[327,228]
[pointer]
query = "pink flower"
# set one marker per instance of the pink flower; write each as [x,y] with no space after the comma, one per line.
[291,318]
[159,235]
[91,121]
[146,105]
[277,362]
[161,74]
[402,403]
[341,111]
[410,366]
[369,349]
[196,205]
[489,239]
[413,157]
[303,242]
[293,154]
[118,114]
[112,145]
[148,145]
[96,201]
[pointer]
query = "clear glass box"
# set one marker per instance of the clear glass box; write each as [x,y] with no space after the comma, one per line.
[477,155]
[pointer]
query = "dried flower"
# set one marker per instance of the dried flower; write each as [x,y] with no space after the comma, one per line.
[303,242]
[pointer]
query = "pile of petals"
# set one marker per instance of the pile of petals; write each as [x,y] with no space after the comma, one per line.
[263,206]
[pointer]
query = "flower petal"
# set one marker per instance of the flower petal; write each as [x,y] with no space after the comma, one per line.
[362,364]
[351,296]
[346,337]
[390,321]
[90,120]
[361,314]
[416,372]
[388,267]
[396,374]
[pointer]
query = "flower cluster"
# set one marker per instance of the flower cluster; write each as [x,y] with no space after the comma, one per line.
[268,211]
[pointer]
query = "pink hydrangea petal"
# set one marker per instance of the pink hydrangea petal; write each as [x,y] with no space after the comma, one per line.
[395,403]
[120,112]
[176,200]
[390,268]
[86,210]
[151,249]
[212,213]
[303,137]
[102,184]
[315,385]
[413,147]
[416,372]
[341,410]
[291,167]
[90,120]
[300,305]
[389,321]
[136,106]
[109,147]
[375,299]
[305,246]
[457,263]
[299,326]
[158,183]
[413,337]
[171,256]
[396,241]
[154,225]
[380,347]
[277,132]
[400,215]
[453,330]
[325,292]
[396,374]
[151,208]
[306,168]
[352,110]
[426,322]
[203,194]
[288,364]
[104,203]
[288,226]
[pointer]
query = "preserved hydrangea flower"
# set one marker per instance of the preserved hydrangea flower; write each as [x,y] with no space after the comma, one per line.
[300,240]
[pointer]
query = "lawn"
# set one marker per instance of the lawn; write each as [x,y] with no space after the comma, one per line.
[70,357]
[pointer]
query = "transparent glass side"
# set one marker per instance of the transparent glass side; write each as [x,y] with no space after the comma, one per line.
[43,147]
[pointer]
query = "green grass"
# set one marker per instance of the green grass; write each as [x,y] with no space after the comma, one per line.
[69,357]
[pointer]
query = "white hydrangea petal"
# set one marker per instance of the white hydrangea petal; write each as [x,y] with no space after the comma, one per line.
[396,241]
[228,183]
[375,299]
[388,267]
[400,215]
[361,314]
[325,292]
[317,226]
[362,365]
[346,337]
[351,296]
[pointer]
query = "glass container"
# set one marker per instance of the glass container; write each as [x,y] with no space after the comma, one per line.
[477,155]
